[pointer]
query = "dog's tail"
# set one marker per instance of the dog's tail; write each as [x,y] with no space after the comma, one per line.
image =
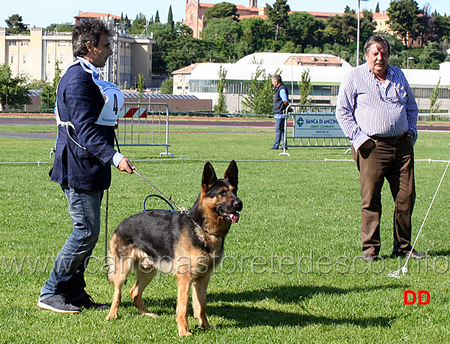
[112,259]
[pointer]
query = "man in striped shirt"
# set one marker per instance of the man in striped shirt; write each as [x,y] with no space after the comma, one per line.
[377,111]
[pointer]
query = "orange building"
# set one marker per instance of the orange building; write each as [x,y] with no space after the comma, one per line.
[195,12]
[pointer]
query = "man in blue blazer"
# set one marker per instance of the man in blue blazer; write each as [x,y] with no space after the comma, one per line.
[86,112]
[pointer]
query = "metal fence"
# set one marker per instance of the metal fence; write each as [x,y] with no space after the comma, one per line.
[144,124]
[313,125]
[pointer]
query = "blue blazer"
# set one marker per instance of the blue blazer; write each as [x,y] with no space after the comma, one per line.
[83,153]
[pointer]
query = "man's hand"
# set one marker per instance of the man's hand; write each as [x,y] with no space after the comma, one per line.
[369,144]
[125,165]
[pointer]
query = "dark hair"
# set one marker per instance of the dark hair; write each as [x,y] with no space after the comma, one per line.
[379,40]
[277,78]
[85,31]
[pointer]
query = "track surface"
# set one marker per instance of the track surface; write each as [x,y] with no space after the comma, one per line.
[174,121]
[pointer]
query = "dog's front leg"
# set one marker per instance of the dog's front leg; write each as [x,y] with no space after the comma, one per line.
[183,284]
[199,299]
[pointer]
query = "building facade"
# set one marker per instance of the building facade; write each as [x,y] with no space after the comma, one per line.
[37,54]
[326,73]
[195,14]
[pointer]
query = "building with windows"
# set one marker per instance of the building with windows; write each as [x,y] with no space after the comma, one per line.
[36,54]
[326,73]
[195,14]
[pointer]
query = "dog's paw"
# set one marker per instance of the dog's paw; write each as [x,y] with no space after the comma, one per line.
[184,334]
[151,315]
[111,316]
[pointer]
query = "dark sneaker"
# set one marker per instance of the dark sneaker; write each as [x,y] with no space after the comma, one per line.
[87,302]
[58,304]
[414,254]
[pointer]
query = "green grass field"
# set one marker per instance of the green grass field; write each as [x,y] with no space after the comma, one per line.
[292,271]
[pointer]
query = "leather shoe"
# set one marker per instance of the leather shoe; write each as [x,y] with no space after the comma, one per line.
[414,254]
[370,257]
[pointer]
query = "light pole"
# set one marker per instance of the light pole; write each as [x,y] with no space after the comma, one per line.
[357,33]
[407,65]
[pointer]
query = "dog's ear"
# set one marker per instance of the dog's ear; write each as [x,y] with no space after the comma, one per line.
[232,174]
[209,176]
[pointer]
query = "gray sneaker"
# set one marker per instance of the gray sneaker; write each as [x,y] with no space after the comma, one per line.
[58,304]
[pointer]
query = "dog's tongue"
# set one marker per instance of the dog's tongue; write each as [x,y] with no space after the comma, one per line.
[234,217]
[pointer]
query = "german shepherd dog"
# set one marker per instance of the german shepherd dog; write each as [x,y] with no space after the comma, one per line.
[188,244]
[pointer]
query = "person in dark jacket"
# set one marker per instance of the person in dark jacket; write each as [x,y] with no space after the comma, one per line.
[280,103]
[86,112]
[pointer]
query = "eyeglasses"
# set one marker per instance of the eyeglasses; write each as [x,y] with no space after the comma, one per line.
[399,97]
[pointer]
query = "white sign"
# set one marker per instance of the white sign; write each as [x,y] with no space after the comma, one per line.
[316,126]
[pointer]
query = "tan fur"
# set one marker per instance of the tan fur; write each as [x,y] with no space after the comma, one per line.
[191,263]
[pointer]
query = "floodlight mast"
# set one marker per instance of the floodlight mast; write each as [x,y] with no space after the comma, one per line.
[357,31]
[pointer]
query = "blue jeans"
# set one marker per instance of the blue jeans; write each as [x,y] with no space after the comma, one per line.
[279,132]
[67,275]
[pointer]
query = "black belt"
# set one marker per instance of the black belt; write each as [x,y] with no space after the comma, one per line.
[390,139]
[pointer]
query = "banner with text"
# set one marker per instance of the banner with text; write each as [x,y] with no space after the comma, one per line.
[316,126]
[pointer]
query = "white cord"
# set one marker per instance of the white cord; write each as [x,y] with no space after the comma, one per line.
[404,269]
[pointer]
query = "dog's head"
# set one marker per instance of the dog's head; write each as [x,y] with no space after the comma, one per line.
[220,195]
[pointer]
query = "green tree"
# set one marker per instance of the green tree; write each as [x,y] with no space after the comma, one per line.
[167,86]
[221,10]
[221,107]
[48,94]
[140,86]
[13,91]
[224,33]
[15,25]
[170,22]
[404,19]
[157,20]
[259,98]
[435,103]
[305,87]
[278,15]
[304,28]
[64,27]
[124,23]
[139,25]
[256,36]
[185,50]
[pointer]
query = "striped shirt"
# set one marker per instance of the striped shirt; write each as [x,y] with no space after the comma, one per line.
[367,107]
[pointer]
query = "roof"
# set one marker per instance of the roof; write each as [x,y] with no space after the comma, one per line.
[96,15]
[186,70]
[284,58]
[319,74]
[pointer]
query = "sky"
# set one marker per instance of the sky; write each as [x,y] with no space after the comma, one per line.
[42,13]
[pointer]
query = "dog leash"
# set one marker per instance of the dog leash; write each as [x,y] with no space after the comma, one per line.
[169,199]
[183,210]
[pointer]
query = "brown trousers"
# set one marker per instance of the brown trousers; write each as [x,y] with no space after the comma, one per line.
[395,162]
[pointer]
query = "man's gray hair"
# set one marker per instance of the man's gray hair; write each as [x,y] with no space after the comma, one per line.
[85,31]
[277,78]
[379,40]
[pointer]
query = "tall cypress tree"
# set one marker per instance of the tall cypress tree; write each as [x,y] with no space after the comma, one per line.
[170,19]
[157,17]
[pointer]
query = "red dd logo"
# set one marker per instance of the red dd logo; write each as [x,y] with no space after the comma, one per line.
[422,297]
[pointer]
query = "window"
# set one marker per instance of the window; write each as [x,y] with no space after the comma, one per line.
[61,44]
[24,58]
[11,59]
[24,43]
[12,42]
[49,59]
